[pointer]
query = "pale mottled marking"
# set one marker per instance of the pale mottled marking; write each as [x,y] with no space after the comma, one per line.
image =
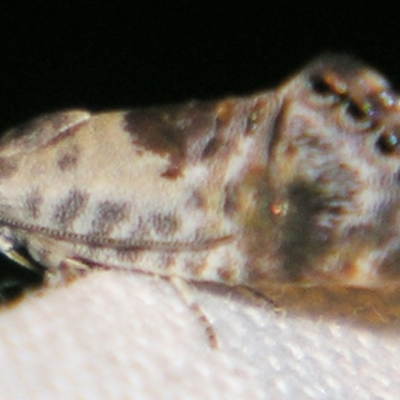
[8,167]
[70,207]
[44,254]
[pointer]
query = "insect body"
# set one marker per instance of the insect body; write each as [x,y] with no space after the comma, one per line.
[298,185]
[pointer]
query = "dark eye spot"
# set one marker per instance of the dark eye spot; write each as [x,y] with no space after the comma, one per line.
[388,143]
[320,86]
[355,111]
[323,90]
[358,115]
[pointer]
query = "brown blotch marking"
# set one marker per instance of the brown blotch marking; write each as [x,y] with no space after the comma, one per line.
[126,253]
[173,171]
[390,268]
[226,274]
[155,129]
[225,111]
[168,261]
[303,241]
[211,148]
[196,266]
[69,159]
[33,202]
[8,167]
[109,214]
[71,207]
[230,204]
[226,114]
[348,269]
[197,200]
[164,224]
[185,133]
[141,226]
[171,130]
[382,228]
[257,274]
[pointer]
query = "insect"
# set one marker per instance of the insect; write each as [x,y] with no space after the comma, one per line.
[298,185]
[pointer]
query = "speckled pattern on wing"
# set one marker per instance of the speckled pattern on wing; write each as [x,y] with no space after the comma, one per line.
[294,185]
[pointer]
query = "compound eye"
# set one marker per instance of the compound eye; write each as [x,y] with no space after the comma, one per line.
[323,90]
[389,143]
[320,86]
[357,115]
[357,112]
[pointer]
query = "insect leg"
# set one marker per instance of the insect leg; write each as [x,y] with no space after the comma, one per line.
[184,290]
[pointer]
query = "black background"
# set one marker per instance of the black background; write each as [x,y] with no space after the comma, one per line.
[101,55]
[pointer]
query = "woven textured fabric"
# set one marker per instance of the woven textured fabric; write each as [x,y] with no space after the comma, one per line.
[117,335]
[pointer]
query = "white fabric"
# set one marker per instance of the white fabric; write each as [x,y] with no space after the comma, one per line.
[116,335]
